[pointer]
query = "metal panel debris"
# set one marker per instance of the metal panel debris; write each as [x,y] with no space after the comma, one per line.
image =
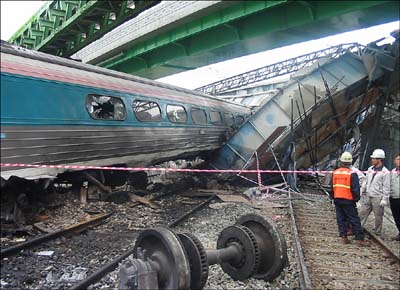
[321,108]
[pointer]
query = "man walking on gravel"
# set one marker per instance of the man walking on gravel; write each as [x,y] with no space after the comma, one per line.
[395,195]
[377,190]
[345,192]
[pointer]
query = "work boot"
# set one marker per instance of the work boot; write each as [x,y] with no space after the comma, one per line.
[362,243]
[344,240]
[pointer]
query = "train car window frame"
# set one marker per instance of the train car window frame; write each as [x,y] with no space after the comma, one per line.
[230,120]
[175,115]
[240,123]
[146,115]
[107,108]
[217,121]
[195,119]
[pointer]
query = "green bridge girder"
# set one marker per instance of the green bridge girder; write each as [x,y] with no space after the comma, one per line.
[63,27]
[242,28]
[230,29]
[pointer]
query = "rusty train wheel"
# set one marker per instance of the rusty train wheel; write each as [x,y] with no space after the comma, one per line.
[198,260]
[162,248]
[272,245]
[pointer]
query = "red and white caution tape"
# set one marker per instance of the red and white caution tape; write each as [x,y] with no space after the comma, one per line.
[82,167]
[258,172]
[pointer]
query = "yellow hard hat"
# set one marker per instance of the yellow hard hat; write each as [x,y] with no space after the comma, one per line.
[346,157]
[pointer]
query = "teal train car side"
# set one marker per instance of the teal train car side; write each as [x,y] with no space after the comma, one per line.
[61,112]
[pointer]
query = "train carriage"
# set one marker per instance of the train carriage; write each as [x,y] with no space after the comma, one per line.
[59,111]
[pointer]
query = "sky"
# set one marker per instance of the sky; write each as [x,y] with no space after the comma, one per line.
[14,14]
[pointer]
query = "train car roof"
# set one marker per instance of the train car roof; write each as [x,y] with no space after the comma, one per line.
[8,48]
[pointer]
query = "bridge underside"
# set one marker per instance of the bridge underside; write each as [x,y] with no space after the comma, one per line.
[267,27]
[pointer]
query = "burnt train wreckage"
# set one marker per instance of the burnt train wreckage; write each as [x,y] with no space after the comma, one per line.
[57,111]
[349,100]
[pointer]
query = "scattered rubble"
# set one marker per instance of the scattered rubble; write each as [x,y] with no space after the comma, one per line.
[56,264]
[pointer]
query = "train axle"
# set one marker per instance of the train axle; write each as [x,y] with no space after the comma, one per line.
[253,247]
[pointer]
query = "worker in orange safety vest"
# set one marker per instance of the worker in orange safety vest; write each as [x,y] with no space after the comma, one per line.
[345,192]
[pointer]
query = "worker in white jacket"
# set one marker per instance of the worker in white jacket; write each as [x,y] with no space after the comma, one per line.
[362,180]
[376,191]
[361,176]
[395,195]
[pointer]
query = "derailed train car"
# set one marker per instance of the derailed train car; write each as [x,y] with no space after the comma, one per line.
[58,111]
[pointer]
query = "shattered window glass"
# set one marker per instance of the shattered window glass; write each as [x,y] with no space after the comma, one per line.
[229,119]
[146,111]
[102,107]
[215,117]
[176,114]
[239,120]
[198,116]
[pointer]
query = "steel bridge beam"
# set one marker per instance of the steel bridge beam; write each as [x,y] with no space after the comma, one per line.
[243,28]
[276,69]
[62,27]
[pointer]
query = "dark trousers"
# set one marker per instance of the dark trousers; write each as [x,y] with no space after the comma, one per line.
[347,214]
[395,207]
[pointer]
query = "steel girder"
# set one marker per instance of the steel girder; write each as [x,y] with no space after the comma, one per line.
[243,28]
[274,70]
[62,27]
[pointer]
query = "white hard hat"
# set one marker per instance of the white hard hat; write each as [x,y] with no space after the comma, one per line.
[378,154]
[346,157]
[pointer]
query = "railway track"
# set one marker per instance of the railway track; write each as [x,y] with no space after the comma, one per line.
[325,263]
[93,250]
[75,228]
[102,271]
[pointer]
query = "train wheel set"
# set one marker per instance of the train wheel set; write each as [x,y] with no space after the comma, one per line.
[253,247]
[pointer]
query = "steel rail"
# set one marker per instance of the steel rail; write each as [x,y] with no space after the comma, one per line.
[383,246]
[50,236]
[344,254]
[196,208]
[101,272]
[305,281]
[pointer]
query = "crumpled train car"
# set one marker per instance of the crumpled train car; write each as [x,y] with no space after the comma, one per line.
[56,111]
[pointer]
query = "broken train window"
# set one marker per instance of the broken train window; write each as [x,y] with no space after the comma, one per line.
[102,107]
[239,120]
[198,116]
[229,120]
[146,111]
[215,117]
[176,114]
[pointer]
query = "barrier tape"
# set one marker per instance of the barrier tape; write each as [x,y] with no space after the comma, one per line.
[180,169]
[258,172]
